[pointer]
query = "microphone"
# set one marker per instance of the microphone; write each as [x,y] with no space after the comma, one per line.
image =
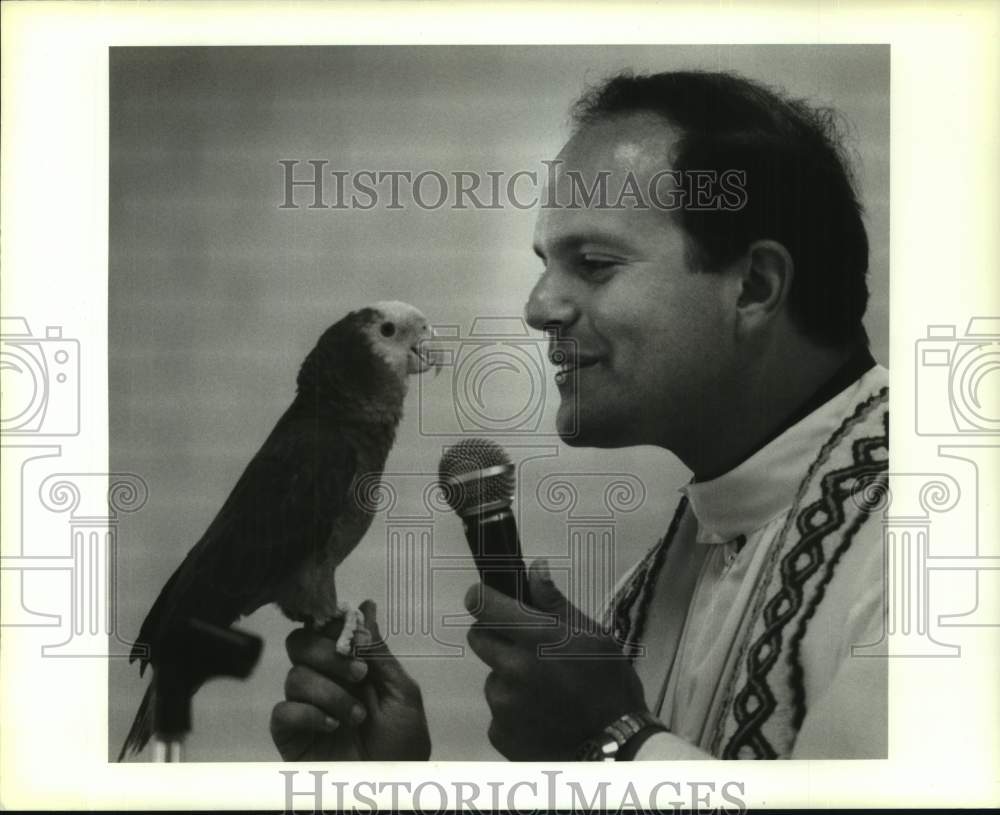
[477,477]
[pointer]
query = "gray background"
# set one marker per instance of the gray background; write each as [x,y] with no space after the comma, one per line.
[216,295]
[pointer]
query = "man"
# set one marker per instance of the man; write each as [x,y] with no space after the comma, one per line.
[725,326]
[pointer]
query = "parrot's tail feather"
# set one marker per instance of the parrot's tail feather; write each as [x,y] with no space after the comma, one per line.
[142,727]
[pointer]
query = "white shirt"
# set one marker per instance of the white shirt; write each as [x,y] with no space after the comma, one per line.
[696,623]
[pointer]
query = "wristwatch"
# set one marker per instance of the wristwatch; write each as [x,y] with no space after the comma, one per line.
[621,739]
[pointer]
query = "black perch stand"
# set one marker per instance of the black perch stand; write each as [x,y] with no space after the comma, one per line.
[194,652]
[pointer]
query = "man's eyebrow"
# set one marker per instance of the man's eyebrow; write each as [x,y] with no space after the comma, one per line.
[573,241]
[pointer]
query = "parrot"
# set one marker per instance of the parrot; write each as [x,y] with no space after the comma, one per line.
[298,511]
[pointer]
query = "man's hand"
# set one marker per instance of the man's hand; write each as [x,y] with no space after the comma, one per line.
[341,709]
[546,701]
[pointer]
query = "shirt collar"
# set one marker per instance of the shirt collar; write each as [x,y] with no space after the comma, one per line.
[764,485]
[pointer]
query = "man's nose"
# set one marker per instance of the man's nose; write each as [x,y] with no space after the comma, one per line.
[549,304]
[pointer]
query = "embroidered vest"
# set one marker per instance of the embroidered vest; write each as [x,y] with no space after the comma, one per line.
[763,699]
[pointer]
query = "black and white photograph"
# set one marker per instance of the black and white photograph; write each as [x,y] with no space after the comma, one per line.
[653,281]
[417,405]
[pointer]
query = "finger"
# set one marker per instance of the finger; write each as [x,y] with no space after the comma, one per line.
[502,701]
[502,742]
[303,684]
[492,606]
[496,650]
[319,652]
[370,612]
[544,593]
[506,614]
[498,694]
[332,627]
[546,596]
[375,648]
[299,717]
[384,668]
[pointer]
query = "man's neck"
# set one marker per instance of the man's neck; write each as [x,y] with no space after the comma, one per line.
[779,401]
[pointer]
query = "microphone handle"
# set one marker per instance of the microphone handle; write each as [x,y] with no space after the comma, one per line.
[496,548]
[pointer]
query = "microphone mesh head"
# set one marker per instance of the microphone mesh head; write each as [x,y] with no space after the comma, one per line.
[476,474]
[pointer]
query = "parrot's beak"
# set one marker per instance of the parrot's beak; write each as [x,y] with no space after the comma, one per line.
[423,359]
[436,360]
[425,356]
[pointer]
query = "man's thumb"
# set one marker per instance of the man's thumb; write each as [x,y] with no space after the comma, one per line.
[545,595]
[382,663]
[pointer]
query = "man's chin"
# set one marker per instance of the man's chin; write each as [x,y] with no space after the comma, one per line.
[575,431]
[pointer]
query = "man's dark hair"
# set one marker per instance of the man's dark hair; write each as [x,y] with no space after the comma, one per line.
[799,188]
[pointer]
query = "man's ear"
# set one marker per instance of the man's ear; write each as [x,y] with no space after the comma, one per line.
[766,279]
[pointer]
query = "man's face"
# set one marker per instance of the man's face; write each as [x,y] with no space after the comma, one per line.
[649,342]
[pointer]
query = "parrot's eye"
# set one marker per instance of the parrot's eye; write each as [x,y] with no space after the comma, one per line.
[388,329]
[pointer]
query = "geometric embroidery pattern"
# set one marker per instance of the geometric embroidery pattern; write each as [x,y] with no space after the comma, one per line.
[871,456]
[628,610]
[755,702]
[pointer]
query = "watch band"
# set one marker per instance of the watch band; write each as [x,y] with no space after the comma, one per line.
[620,740]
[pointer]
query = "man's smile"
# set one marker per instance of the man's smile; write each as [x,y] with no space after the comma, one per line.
[569,361]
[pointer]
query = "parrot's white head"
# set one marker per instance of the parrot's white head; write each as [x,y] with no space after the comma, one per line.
[399,335]
[340,368]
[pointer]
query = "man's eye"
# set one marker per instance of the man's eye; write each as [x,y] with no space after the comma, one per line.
[597,266]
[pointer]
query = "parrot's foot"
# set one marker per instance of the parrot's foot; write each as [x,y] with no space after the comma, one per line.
[353,620]
[352,632]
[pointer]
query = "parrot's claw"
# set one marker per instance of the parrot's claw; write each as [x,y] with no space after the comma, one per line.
[353,620]
[350,634]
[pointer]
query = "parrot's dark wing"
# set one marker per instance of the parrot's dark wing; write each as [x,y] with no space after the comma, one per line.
[281,510]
